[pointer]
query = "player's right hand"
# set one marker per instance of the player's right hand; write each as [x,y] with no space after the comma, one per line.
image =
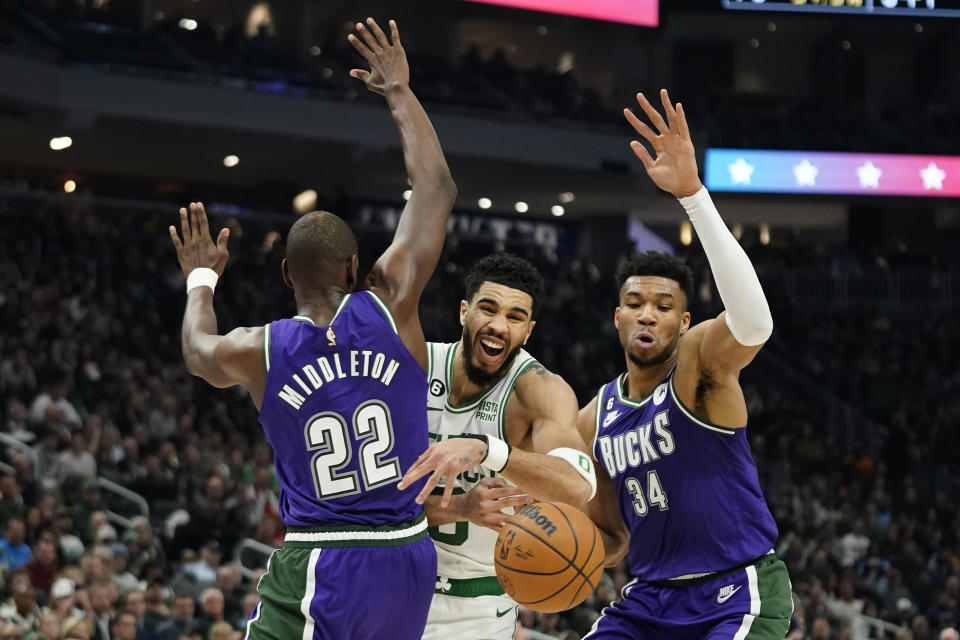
[483,504]
[388,61]
[197,249]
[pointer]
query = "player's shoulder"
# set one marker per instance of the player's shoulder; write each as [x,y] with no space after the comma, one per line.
[537,388]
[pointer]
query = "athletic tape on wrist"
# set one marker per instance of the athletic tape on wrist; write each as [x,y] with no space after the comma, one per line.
[498,452]
[579,461]
[202,277]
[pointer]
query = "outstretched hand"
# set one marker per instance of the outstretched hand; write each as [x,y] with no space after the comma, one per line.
[675,168]
[388,61]
[444,461]
[197,248]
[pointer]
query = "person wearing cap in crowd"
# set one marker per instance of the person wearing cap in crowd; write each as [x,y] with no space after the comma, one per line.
[14,552]
[63,600]
[122,578]
[21,609]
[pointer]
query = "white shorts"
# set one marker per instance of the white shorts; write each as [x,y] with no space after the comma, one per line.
[476,618]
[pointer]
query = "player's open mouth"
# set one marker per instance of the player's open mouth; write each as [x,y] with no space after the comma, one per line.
[490,349]
[645,340]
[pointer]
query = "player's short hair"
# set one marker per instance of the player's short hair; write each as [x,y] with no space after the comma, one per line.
[510,271]
[317,242]
[654,263]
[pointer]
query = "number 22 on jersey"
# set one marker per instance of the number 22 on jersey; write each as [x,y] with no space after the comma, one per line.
[327,434]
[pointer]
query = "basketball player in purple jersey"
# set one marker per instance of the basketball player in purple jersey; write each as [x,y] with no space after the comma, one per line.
[340,389]
[677,486]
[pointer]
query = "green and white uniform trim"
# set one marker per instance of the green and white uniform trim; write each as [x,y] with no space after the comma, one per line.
[357,535]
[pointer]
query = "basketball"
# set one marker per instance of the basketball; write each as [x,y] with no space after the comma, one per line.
[549,557]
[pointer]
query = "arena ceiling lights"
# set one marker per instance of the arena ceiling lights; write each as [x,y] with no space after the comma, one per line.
[818,172]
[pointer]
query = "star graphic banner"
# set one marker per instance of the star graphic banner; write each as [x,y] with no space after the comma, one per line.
[814,172]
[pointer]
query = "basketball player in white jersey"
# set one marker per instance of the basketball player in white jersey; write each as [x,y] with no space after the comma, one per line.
[498,419]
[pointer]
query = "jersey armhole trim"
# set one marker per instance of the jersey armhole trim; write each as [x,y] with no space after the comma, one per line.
[266,346]
[596,419]
[727,431]
[386,311]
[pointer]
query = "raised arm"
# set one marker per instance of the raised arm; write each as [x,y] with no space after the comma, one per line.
[604,509]
[402,272]
[729,343]
[223,361]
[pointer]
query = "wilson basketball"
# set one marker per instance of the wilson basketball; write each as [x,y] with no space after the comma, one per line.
[549,556]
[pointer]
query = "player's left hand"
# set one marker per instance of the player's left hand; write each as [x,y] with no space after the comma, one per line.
[197,248]
[444,461]
[675,167]
[388,61]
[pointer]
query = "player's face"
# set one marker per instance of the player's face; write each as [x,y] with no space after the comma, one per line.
[496,324]
[651,318]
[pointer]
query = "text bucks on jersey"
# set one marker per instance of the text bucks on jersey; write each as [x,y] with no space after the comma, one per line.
[465,550]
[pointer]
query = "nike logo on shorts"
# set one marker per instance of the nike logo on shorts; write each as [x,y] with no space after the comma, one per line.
[500,614]
[726,593]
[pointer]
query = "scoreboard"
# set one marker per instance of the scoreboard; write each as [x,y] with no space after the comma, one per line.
[917,9]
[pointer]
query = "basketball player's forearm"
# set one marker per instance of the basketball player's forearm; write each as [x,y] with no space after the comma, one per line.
[199,326]
[546,478]
[748,314]
[426,165]
[438,515]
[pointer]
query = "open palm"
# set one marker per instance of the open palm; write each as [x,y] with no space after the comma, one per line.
[675,167]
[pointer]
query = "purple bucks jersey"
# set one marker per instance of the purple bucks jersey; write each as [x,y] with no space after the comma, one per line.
[688,490]
[345,411]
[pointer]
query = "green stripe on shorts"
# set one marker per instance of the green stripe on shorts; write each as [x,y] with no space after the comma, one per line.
[776,602]
[282,591]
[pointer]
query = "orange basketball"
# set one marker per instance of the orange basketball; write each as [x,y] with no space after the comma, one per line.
[549,556]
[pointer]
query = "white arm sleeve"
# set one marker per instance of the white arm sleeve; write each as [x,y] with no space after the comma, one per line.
[748,314]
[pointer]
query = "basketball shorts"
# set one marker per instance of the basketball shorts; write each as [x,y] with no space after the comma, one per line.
[474,609]
[316,590]
[754,603]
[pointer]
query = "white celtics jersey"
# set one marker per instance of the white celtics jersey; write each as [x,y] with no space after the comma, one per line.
[465,550]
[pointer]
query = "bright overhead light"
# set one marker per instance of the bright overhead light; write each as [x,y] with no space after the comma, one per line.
[61,143]
[557,210]
[69,186]
[231,161]
[484,203]
[764,233]
[566,197]
[686,233]
[315,50]
[187,23]
[407,194]
[521,207]
[305,201]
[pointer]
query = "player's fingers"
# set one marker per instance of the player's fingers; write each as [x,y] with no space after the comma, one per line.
[368,38]
[640,126]
[175,239]
[448,482]
[395,34]
[652,113]
[682,118]
[377,32]
[361,48]
[184,224]
[194,221]
[643,154]
[428,487]
[222,240]
[202,223]
[515,502]
[416,471]
[360,74]
[504,492]
[669,110]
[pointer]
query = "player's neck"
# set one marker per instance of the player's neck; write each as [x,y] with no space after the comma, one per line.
[643,379]
[320,305]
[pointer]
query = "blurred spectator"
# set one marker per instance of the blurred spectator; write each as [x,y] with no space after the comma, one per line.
[14,552]
[21,609]
[124,626]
